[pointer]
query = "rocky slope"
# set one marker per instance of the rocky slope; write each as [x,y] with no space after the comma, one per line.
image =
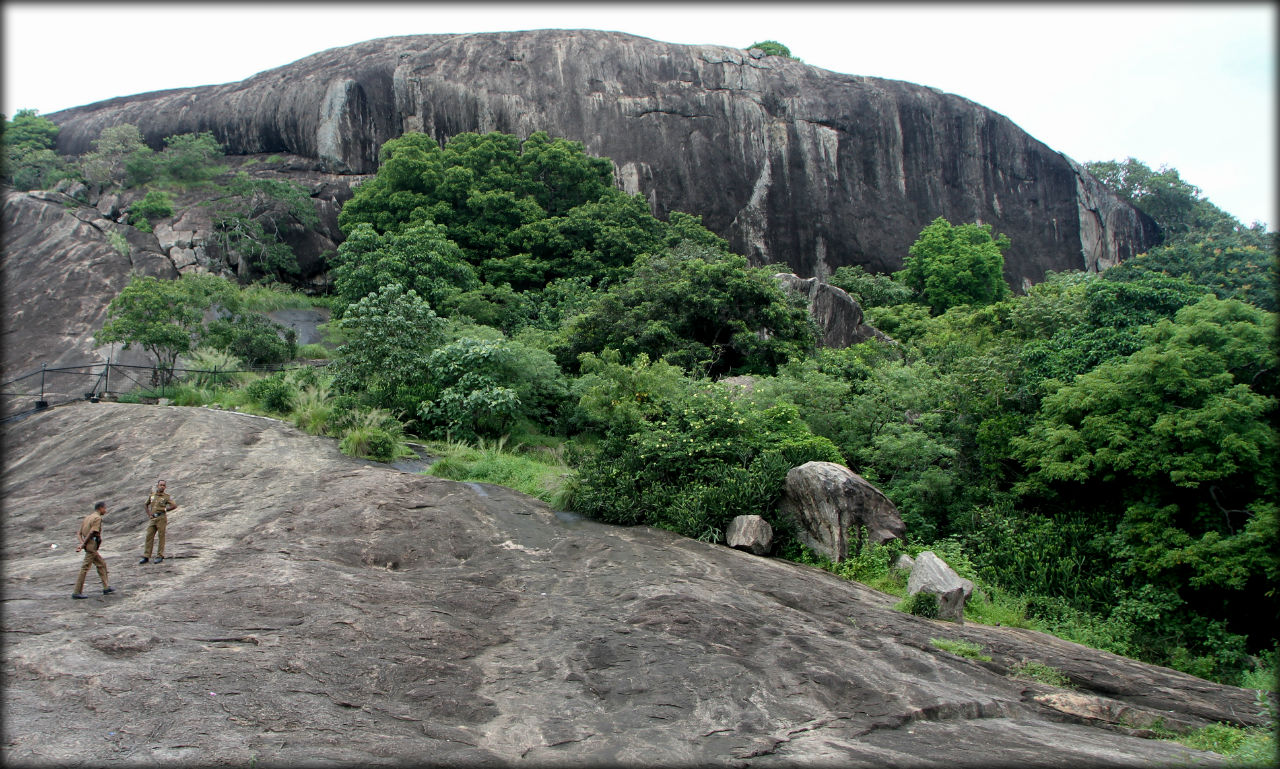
[793,164]
[319,609]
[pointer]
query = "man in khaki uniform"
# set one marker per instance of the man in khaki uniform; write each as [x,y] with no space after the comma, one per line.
[158,507]
[90,536]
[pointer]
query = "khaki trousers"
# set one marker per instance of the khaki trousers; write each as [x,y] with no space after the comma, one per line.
[156,526]
[91,558]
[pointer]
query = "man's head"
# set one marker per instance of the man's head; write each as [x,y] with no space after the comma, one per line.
[100,508]
[160,485]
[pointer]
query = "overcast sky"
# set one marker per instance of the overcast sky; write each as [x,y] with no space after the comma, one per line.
[1187,85]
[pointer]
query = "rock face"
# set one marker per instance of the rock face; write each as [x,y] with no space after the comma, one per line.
[61,269]
[836,313]
[316,609]
[826,500]
[793,164]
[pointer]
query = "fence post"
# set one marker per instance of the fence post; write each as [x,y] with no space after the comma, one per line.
[42,403]
[106,377]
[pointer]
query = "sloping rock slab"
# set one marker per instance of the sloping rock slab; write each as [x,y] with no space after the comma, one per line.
[316,609]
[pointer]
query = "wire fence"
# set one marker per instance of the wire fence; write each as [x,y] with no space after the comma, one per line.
[49,387]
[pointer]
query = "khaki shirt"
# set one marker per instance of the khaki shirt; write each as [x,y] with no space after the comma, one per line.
[91,524]
[159,502]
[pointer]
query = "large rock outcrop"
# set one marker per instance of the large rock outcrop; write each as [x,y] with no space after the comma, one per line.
[316,609]
[838,315]
[793,164]
[829,501]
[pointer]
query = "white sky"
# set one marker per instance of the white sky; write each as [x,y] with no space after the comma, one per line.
[1187,85]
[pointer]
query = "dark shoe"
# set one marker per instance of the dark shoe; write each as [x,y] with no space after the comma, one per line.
[160,559]
[144,560]
[106,590]
[79,595]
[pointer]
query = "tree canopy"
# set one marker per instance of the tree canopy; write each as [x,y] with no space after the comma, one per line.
[951,265]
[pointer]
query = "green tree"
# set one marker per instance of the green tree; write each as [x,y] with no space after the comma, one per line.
[1172,448]
[950,265]
[1176,205]
[30,161]
[28,130]
[251,338]
[156,204]
[696,462]
[869,289]
[390,335]
[190,157]
[772,48]
[698,308]
[597,240]
[164,317]
[1236,265]
[477,387]
[254,217]
[119,157]
[419,257]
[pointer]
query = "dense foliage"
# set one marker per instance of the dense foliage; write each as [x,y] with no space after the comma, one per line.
[700,308]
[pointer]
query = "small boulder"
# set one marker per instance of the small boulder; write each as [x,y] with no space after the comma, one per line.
[931,574]
[751,533]
[903,562]
[827,501]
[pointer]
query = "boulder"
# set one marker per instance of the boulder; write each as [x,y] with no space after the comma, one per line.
[751,533]
[829,501]
[931,574]
[836,313]
[903,562]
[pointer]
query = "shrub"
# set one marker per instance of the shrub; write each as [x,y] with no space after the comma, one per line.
[155,205]
[312,352]
[210,367]
[313,409]
[253,338]
[920,604]
[119,242]
[1038,671]
[373,443]
[273,393]
[699,460]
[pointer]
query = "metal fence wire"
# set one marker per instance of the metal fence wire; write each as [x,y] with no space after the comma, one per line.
[48,387]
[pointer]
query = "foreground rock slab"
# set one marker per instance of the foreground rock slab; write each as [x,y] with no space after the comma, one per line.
[316,609]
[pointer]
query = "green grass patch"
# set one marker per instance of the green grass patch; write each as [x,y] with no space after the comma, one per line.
[961,648]
[1031,670]
[269,297]
[313,352]
[538,473]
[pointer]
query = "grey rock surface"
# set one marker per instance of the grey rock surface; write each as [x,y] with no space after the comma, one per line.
[836,313]
[750,533]
[793,164]
[317,609]
[61,270]
[827,501]
[931,574]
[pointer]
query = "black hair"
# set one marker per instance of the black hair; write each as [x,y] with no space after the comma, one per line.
[99,505]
